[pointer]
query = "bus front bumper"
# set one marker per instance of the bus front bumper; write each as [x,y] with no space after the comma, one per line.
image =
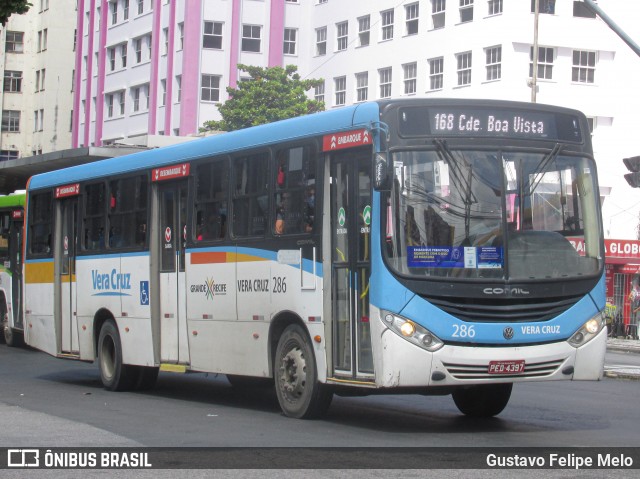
[399,363]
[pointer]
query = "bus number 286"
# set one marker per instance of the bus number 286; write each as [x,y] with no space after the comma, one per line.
[279,284]
[463,331]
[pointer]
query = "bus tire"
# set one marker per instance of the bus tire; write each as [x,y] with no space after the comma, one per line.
[299,393]
[115,375]
[486,400]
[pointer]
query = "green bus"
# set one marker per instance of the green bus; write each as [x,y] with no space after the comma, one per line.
[11,227]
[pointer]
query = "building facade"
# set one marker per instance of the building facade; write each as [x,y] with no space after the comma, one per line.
[37,61]
[149,69]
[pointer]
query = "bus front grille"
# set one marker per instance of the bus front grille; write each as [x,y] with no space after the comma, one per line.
[504,310]
[475,371]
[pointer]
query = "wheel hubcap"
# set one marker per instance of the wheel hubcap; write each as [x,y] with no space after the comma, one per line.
[293,374]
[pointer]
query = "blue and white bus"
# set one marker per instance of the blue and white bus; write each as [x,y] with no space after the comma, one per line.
[419,246]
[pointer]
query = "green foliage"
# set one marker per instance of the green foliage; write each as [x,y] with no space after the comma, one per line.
[9,7]
[272,94]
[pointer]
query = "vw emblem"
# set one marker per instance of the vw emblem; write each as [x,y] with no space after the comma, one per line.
[508,332]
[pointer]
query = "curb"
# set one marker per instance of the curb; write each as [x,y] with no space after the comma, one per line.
[621,375]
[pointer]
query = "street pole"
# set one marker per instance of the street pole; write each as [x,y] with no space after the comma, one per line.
[534,77]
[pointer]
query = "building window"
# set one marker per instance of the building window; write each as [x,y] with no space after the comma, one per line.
[321,41]
[290,35]
[495,7]
[436,73]
[125,10]
[410,75]
[493,63]
[114,12]
[210,90]
[163,86]
[545,6]
[11,121]
[165,40]
[386,18]
[40,75]
[362,86]
[464,68]
[437,13]
[318,92]
[180,35]
[212,36]
[251,38]
[38,120]
[112,58]
[584,66]
[545,63]
[42,40]
[137,46]
[12,81]
[364,30]
[412,14]
[342,30]
[14,42]
[140,7]
[140,96]
[582,10]
[6,155]
[341,90]
[385,82]
[466,11]
[178,88]
[121,102]
[123,55]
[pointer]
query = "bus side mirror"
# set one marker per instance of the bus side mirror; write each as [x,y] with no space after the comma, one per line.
[381,172]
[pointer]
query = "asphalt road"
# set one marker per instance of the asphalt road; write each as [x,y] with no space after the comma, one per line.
[48,402]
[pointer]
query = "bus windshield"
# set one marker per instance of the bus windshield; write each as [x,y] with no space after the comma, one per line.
[471,213]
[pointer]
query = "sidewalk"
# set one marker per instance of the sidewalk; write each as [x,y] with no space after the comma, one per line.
[623,346]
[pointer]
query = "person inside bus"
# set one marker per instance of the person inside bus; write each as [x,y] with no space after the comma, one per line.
[310,209]
[280,214]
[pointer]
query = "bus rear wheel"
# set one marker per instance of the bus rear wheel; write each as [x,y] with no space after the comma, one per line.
[115,375]
[299,393]
[486,400]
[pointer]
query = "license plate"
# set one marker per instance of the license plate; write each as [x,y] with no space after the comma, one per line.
[506,367]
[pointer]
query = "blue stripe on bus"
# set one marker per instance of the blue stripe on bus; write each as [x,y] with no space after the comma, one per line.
[361,115]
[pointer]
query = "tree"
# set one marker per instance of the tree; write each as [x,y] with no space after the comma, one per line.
[272,94]
[9,7]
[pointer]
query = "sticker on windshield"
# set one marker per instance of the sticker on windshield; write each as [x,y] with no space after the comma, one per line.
[454,257]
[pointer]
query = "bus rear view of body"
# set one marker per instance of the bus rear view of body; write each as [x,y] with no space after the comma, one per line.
[419,246]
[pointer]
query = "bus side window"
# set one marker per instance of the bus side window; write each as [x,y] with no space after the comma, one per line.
[40,223]
[294,207]
[250,201]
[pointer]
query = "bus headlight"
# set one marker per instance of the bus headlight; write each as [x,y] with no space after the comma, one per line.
[587,331]
[412,332]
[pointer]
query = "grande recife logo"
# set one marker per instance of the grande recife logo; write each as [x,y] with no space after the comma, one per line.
[210,288]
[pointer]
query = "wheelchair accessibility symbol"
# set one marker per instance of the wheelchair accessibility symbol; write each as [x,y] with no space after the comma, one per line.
[144,293]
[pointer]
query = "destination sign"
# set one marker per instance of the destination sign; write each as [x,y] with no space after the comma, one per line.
[489,122]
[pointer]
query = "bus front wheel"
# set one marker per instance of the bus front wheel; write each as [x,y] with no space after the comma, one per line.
[299,393]
[115,375]
[485,400]
[11,336]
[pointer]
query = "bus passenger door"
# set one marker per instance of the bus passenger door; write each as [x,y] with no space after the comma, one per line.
[15,260]
[173,308]
[66,246]
[350,200]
